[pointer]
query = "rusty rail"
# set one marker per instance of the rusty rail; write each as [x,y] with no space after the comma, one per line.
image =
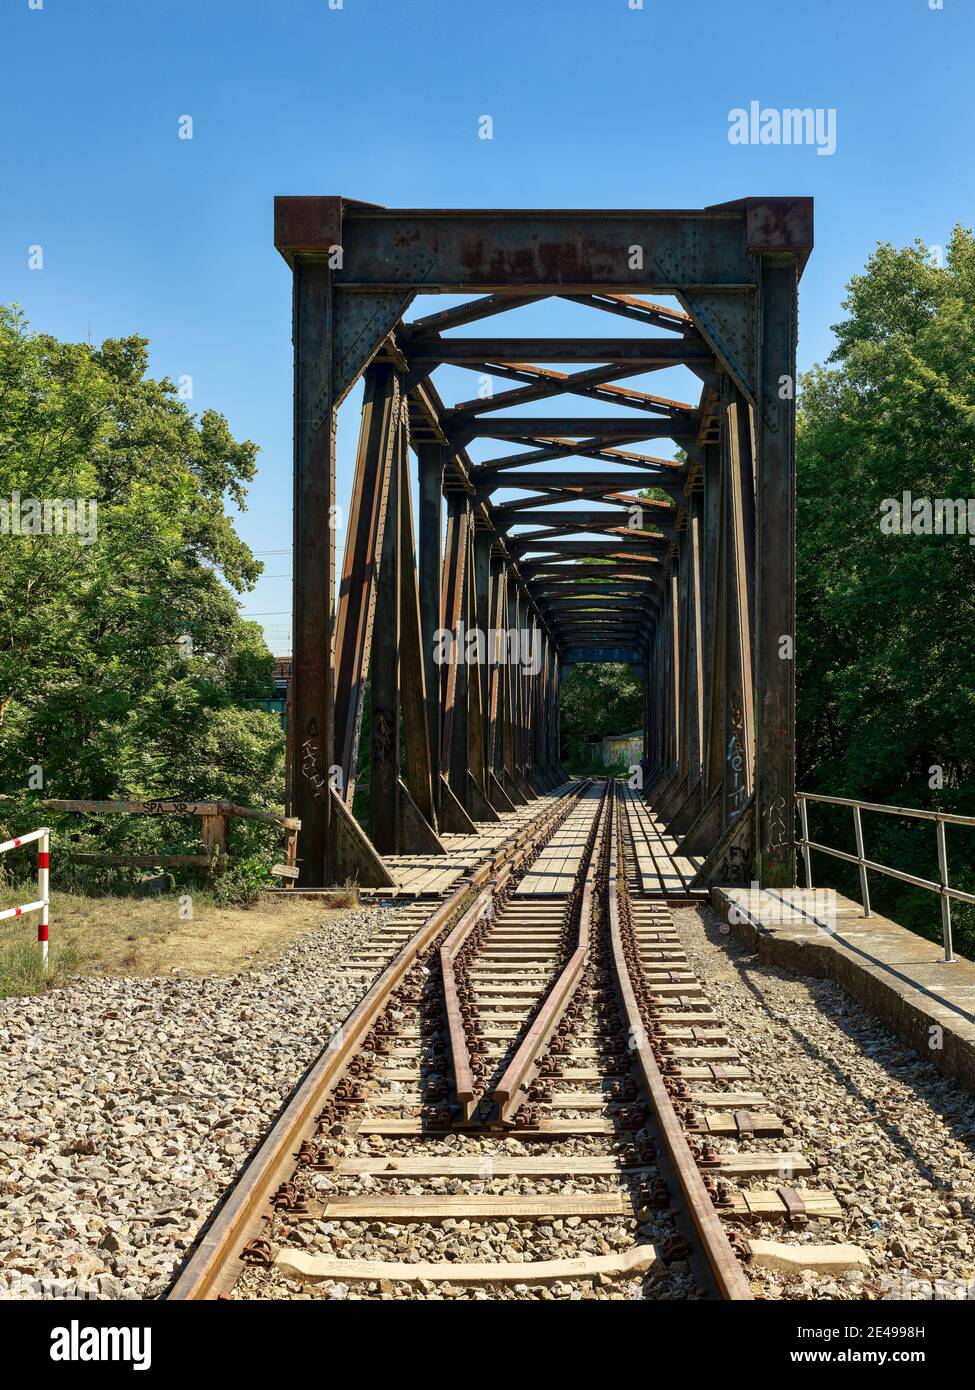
[449,951]
[216,1262]
[728,1273]
[515,1080]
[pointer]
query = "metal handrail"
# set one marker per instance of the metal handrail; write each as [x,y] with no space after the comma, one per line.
[941,818]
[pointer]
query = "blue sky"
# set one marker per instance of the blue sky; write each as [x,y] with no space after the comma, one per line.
[594,104]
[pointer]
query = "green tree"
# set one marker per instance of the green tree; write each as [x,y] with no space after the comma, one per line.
[122,661]
[598,698]
[886,622]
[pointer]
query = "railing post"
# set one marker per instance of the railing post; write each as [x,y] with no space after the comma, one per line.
[945,900]
[864,886]
[215,838]
[806,857]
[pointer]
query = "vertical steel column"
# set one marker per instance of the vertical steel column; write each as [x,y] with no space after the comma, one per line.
[413,656]
[545,758]
[664,689]
[775,600]
[311,728]
[647,748]
[430,470]
[695,508]
[483,540]
[557,697]
[739,643]
[384,787]
[476,651]
[711,476]
[714,606]
[454,683]
[510,680]
[537,683]
[556,756]
[528,689]
[673,668]
[514,676]
[495,742]
[381,406]
[505,743]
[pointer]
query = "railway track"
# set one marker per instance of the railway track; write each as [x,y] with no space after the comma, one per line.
[536,1071]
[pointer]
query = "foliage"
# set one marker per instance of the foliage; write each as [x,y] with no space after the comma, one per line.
[242,884]
[886,626]
[98,685]
[597,698]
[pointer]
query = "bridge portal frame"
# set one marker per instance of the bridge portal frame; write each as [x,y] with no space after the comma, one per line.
[712,631]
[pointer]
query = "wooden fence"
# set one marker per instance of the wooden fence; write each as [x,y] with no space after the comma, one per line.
[215,816]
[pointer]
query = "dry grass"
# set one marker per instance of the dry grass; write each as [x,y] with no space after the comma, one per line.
[149,936]
[346,896]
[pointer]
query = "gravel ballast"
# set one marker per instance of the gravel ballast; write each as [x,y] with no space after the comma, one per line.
[892,1138]
[130,1104]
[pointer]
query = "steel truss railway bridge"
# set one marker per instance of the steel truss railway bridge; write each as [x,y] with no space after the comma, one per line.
[694,590]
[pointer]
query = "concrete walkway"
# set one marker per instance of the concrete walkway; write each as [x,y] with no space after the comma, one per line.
[896,975]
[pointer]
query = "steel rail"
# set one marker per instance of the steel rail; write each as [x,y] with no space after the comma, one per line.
[449,951]
[215,1263]
[515,1080]
[728,1273]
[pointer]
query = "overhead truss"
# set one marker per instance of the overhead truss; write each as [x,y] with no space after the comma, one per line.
[683,567]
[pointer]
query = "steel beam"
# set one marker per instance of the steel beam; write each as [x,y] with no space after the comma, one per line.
[420,777]
[453,686]
[539,250]
[430,470]
[385,734]
[357,595]
[775,595]
[642,353]
[311,727]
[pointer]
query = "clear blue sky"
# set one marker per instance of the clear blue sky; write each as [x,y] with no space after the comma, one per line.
[594,105]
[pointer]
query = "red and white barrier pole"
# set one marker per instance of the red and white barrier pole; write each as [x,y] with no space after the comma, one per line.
[43,837]
[43,892]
